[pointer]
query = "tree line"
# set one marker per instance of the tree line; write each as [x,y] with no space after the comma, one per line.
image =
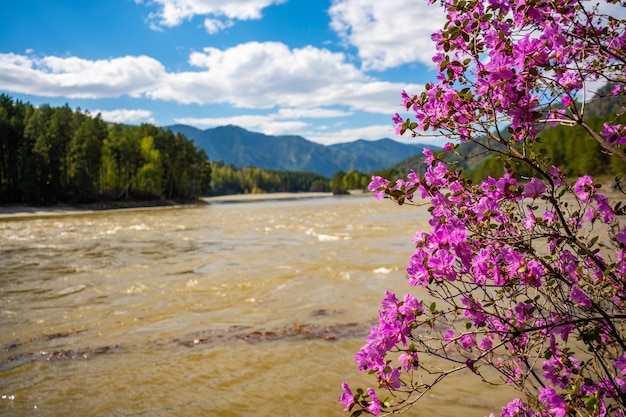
[228,179]
[55,154]
[52,155]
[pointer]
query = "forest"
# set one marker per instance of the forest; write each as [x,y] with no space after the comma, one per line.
[50,155]
[562,146]
[227,179]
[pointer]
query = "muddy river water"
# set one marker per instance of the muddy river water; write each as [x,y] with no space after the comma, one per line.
[231,309]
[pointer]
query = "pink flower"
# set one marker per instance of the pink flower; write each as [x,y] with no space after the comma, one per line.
[566,100]
[621,237]
[346,397]
[555,405]
[485,343]
[604,208]
[378,184]
[530,221]
[579,297]
[584,188]
[614,134]
[468,340]
[391,379]
[374,406]
[620,364]
[409,361]
[534,189]
[616,89]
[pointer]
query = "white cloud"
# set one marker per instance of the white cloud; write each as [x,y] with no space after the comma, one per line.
[371,132]
[312,81]
[268,125]
[374,132]
[266,75]
[125,115]
[213,26]
[174,12]
[284,121]
[293,113]
[79,78]
[387,33]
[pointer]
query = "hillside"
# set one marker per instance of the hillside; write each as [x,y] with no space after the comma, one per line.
[240,147]
[568,147]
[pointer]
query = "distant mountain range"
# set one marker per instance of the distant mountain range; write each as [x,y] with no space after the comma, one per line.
[240,147]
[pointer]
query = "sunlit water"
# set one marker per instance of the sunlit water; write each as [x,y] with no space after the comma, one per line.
[252,309]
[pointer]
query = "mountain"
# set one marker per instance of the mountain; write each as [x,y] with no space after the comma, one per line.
[240,147]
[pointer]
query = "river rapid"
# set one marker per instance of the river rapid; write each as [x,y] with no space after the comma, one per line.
[231,309]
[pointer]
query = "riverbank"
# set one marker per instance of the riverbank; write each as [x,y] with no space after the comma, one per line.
[9,211]
[12,211]
[243,198]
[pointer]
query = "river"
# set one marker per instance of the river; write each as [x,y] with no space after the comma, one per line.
[231,309]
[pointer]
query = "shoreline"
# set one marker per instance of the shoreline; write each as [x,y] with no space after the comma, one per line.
[17,211]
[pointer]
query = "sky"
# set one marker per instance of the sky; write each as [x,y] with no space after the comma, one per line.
[331,71]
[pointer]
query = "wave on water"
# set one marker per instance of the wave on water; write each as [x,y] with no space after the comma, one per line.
[326,238]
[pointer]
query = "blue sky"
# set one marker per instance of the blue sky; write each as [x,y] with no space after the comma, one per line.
[330,71]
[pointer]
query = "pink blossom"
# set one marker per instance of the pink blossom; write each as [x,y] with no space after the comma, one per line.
[378,184]
[584,188]
[534,189]
[468,340]
[346,397]
[530,221]
[579,297]
[409,361]
[374,406]
[614,134]
[486,343]
[620,364]
[555,405]
[566,100]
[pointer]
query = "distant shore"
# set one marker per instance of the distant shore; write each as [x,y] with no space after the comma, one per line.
[241,198]
[16,211]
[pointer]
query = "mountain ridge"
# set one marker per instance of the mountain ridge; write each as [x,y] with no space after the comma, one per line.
[240,147]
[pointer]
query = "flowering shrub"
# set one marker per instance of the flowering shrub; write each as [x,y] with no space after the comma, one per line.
[527,275]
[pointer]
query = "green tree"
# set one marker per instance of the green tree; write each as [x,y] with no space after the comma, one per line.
[85,154]
[150,174]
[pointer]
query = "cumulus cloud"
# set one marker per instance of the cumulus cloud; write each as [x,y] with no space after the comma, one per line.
[284,121]
[266,75]
[253,75]
[387,33]
[374,132]
[213,26]
[126,116]
[293,113]
[220,14]
[263,124]
[79,78]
